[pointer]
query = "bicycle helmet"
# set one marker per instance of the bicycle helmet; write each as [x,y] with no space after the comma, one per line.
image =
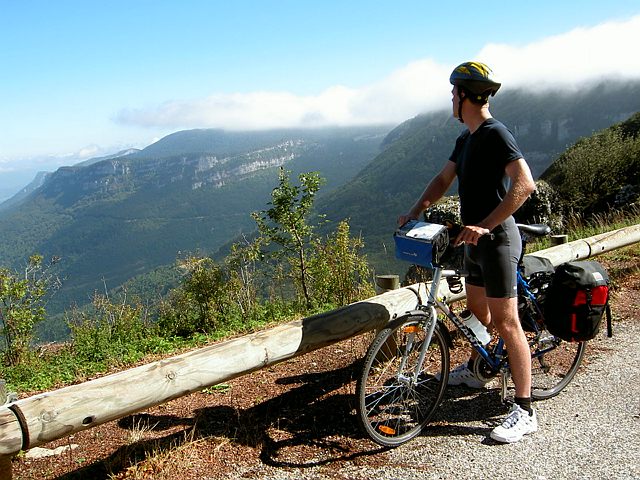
[474,78]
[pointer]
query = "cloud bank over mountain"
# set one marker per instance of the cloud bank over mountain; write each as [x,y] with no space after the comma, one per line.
[567,60]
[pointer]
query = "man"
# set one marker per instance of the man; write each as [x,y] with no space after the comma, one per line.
[493,182]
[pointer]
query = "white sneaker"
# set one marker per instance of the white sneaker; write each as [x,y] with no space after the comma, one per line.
[517,424]
[461,375]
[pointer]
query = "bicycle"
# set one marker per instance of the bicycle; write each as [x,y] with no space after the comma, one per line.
[406,368]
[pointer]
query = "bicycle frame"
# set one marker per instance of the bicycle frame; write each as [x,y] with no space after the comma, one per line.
[406,369]
[495,358]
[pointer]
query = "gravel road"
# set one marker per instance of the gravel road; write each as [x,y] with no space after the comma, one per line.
[591,430]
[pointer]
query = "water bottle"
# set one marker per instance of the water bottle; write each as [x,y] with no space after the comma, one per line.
[472,322]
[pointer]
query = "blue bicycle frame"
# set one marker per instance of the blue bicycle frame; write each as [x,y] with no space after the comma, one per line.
[495,358]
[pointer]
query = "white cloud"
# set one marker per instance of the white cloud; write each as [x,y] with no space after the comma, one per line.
[580,55]
[402,94]
[89,151]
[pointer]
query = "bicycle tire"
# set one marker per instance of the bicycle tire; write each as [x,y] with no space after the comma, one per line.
[391,407]
[554,362]
[552,370]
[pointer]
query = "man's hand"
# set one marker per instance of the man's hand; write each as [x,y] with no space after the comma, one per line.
[470,234]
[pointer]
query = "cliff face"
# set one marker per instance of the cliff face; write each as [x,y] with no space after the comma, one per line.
[127,175]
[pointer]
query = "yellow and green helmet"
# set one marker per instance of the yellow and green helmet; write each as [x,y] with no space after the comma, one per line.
[476,79]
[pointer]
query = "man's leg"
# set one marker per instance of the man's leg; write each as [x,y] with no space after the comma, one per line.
[522,419]
[502,314]
[504,317]
[477,303]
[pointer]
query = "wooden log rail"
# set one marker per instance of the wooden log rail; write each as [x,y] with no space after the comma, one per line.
[36,420]
[591,246]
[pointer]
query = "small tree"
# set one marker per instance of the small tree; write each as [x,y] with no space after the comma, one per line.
[340,275]
[22,306]
[243,275]
[109,332]
[285,224]
[201,300]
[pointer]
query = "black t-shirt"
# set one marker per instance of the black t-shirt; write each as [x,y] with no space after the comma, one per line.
[480,160]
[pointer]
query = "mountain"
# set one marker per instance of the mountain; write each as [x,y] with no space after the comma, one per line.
[115,218]
[16,199]
[119,217]
[544,125]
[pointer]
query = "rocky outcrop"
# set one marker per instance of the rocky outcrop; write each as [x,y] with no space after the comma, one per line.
[125,175]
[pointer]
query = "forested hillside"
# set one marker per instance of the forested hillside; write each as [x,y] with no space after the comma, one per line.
[115,218]
[600,172]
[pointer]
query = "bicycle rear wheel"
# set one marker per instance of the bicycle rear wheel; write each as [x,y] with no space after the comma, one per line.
[393,407]
[554,363]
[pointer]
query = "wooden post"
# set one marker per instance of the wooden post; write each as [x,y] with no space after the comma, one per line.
[52,415]
[10,441]
[559,239]
[3,392]
[592,246]
[386,283]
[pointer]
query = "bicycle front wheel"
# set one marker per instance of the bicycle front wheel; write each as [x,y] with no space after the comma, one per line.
[395,400]
[554,363]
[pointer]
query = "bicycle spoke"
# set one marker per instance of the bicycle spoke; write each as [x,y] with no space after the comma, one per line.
[393,405]
[553,366]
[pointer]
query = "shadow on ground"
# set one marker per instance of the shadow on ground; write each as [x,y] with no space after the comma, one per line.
[317,417]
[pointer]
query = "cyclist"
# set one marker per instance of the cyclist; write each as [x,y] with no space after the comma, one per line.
[494,180]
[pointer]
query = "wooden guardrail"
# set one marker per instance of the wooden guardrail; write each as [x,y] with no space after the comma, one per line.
[36,420]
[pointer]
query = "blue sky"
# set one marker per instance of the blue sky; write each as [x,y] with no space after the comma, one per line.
[85,78]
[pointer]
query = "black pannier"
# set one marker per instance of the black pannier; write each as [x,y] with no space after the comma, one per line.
[576,300]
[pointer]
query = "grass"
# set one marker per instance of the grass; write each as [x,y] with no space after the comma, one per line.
[139,430]
[159,461]
[602,224]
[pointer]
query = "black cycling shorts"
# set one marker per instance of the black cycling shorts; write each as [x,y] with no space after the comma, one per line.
[493,262]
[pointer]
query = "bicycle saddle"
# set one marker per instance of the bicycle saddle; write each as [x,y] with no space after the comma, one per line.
[537,229]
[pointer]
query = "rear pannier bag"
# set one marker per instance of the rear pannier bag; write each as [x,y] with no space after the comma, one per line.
[576,301]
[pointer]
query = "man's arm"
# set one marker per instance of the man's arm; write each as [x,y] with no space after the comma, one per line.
[434,191]
[522,185]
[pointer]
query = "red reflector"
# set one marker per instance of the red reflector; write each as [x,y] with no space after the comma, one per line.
[599,295]
[580,299]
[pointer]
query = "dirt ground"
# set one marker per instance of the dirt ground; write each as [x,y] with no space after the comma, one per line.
[297,414]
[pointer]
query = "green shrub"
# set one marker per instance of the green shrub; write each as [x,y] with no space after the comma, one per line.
[202,303]
[22,307]
[109,333]
[339,274]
